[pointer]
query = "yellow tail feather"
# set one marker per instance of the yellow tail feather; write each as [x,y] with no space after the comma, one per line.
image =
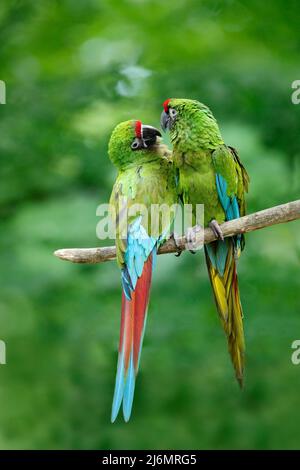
[227,297]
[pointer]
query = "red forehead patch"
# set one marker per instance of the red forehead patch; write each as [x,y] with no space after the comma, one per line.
[166,105]
[138,129]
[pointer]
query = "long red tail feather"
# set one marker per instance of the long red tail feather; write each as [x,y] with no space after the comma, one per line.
[133,319]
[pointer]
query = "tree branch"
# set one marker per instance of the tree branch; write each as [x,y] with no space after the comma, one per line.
[249,223]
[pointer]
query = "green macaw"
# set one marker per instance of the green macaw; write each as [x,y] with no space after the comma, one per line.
[211,173]
[145,177]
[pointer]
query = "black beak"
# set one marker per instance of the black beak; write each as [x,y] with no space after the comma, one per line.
[149,135]
[165,121]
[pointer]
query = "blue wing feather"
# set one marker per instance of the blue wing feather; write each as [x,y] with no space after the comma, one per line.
[218,252]
[139,247]
[229,204]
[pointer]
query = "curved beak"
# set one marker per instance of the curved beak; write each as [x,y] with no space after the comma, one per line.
[149,135]
[165,121]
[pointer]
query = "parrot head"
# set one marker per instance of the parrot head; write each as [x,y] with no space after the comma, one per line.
[131,141]
[189,120]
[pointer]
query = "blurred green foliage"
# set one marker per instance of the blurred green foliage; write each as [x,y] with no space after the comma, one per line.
[73,70]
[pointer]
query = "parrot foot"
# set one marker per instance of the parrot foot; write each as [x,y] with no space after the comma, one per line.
[192,239]
[179,250]
[216,229]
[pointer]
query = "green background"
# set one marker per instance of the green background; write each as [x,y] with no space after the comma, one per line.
[73,70]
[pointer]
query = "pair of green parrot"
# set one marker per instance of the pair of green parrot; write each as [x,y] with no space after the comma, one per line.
[201,169]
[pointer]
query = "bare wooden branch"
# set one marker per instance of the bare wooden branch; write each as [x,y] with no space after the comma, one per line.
[249,223]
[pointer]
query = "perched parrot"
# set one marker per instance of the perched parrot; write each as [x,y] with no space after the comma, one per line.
[145,177]
[211,173]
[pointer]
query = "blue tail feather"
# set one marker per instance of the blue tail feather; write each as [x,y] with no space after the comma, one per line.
[119,389]
[129,390]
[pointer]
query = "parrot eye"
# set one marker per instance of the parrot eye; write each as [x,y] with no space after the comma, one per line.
[172,113]
[135,144]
